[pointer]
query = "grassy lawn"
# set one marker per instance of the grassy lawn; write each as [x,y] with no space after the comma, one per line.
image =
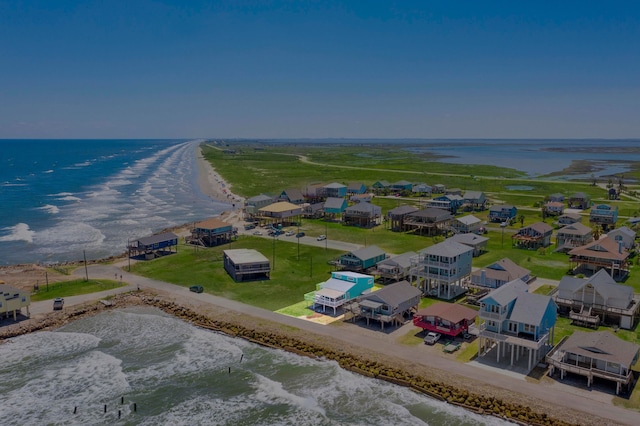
[73,288]
[290,278]
[544,289]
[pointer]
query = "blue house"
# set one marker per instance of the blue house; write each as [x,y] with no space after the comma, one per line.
[339,289]
[401,185]
[155,245]
[603,214]
[334,206]
[381,186]
[453,202]
[502,213]
[515,323]
[356,188]
[362,259]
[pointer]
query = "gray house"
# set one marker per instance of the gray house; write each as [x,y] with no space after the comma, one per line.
[395,268]
[246,265]
[363,214]
[389,304]
[590,301]
[624,235]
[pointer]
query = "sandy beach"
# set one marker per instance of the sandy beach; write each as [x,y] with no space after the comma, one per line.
[558,400]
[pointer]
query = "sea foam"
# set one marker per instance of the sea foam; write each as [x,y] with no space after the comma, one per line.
[19,232]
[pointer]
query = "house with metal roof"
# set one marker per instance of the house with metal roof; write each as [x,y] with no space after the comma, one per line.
[341,288]
[362,259]
[313,210]
[477,242]
[449,319]
[533,236]
[603,214]
[604,253]
[282,212]
[253,204]
[514,323]
[557,197]
[466,224]
[499,273]
[553,208]
[332,190]
[598,354]
[211,232]
[246,265]
[579,200]
[438,188]
[292,195]
[364,215]
[422,189]
[442,269]
[355,188]
[569,218]
[598,299]
[401,186]
[451,202]
[429,221]
[624,235]
[390,304]
[154,246]
[397,215]
[334,206]
[381,186]
[395,268]
[475,200]
[572,236]
[502,213]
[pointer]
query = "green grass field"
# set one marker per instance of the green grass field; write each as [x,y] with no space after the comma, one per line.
[256,169]
[73,288]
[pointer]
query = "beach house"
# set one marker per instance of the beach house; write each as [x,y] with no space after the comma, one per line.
[515,323]
[381,187]
[442,269]
[390,304]
[334,207]
[341,288]
[421,189]
[502,213]
[449,319]
[499,273]
[604,253]
[598,354]
[572,236]
[356,188]
[253,204]
[12,300]
[154,246]
[362,259]
[395,268]
[477,242]
[292,195]
[624,235]
[429,221]
[363,214]
[598,299]
[282,212]
[579,200]
[450,202]
[553,208]
[569,218]
[474,200]
[211,232]
[332,190]
[533,236]
[401,187]
[604,214]
[246,265]
[466,224]
[396,217]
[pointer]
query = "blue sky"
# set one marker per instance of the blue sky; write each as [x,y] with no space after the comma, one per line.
[288,69]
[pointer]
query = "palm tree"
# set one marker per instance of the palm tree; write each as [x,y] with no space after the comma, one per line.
[597,230]
[521,219]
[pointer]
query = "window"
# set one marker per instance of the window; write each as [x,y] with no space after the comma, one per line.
[513,327]
[528,328]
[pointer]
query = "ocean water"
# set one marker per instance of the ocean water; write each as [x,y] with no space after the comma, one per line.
[177,374]
[62,199]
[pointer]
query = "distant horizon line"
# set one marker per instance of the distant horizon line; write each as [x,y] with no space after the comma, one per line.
[207,139]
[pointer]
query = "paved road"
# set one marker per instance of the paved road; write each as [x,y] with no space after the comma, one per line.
[594,403]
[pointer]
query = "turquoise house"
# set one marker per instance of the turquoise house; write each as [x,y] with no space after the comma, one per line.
[334,205]
[339,289]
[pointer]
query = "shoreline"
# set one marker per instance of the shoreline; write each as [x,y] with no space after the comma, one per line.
[322,348]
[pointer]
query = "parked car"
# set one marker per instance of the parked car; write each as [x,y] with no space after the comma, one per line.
[321,237]
[196,288]
[257,233]
[289,233]
[249,226]
[432,338]
[300,235]
[58,303]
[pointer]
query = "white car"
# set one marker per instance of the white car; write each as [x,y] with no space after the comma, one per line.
[321,237]
[289,233]
[257,233]
[432,338]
